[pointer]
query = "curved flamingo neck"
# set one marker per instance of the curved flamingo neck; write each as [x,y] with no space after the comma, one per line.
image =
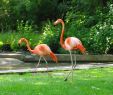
[27,44]
[62,35]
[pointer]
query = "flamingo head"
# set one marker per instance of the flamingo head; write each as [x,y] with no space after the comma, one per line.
[21,40]
[82,49]
[58,21]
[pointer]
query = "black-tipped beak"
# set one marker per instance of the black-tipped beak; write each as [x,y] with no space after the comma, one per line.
[54,24]
[18,44]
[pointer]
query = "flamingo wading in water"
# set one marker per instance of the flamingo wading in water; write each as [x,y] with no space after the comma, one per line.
[70,43]
[41,50]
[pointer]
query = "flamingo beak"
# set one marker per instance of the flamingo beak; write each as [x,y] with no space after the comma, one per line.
[18,44]
[54,24]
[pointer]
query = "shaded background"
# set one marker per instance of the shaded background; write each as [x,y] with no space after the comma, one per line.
[91,21]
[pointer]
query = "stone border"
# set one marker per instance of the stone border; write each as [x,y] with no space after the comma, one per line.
[61,57]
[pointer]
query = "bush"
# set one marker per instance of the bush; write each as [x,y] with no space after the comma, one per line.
[95,31]
[24,29]
[90,21]
[101,35]
[27,10]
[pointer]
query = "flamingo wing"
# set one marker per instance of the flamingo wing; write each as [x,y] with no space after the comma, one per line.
[42,50]
[71,43]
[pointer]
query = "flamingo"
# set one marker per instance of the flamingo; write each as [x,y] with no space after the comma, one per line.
[70,44]
[42,50]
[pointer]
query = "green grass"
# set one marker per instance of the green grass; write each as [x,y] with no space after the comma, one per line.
[86,82]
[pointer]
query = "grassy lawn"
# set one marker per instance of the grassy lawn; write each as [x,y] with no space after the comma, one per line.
[86,82]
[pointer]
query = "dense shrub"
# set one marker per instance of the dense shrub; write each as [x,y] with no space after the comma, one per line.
[101,35]
[90,21]
[27,10]
[95,31]
[24,29]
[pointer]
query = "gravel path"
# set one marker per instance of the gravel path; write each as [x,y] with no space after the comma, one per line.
[30,67]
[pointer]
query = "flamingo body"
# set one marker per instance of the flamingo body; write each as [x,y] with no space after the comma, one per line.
[71,43]
[41,50]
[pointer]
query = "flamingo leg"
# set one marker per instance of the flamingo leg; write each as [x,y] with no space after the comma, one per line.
[38,62]
[46,65]
[75,61]
[71,69]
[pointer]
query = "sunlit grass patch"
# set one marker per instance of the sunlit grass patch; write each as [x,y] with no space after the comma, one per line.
[86,82]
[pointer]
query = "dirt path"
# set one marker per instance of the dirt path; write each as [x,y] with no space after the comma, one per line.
[21,67]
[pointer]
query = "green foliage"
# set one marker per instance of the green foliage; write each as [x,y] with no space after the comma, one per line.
[101,38]
[1,44]
[12,39]
[101,35]
[24,27]
[95,31]
[4,15]
[90,21]
[27,10]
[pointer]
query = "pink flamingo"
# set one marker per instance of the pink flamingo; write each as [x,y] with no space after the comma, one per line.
[70,43]
[41,50]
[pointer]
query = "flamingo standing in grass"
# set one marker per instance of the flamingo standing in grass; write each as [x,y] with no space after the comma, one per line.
[70,43]
[41,50]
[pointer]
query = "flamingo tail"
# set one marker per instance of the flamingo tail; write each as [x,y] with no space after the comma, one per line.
[53,56]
